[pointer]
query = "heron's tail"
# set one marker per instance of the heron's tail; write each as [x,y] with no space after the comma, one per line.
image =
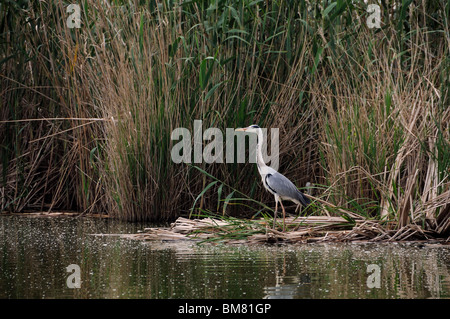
[305,201]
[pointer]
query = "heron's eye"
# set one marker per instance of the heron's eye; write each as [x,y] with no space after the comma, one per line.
[255,126]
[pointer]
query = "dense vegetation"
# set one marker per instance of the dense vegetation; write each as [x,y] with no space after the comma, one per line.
[87,113]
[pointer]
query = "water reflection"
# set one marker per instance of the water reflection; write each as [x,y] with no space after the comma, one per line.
[289,287]
[36,251]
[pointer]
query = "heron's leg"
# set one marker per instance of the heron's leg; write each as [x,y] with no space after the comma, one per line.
[284,215]
[276,212]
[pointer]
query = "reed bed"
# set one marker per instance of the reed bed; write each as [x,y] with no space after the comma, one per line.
[311,229]
[87,113]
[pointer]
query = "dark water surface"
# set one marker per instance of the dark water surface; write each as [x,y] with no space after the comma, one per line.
[34,254]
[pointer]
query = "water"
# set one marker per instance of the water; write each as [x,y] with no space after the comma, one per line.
[34,254]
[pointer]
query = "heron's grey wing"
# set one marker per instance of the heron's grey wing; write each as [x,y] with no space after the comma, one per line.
[285,188]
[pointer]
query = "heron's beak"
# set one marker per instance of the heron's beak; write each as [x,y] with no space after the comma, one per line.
[241,129]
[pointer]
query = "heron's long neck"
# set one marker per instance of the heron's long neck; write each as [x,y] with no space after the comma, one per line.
[259,157]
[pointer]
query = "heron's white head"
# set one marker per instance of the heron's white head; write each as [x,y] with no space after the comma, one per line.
[250,129]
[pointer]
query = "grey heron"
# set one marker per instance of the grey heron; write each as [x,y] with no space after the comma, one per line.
[277,184]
